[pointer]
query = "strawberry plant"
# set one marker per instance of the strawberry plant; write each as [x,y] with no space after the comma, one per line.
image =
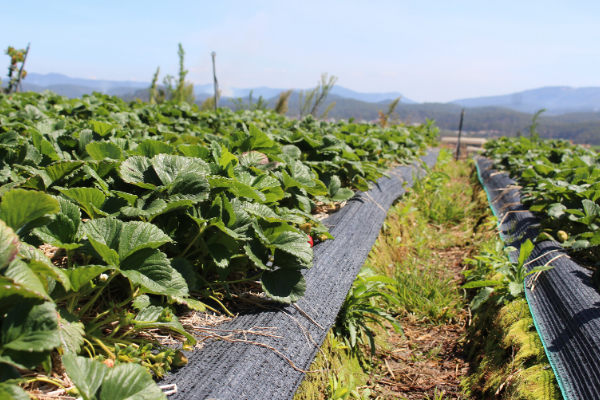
[560,185]
[150,207]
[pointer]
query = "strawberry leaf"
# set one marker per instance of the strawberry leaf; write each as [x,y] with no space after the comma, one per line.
[284,285]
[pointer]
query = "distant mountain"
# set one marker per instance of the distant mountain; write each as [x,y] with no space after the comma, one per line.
[75,87]
[556,100]
[340,91]
[95,84]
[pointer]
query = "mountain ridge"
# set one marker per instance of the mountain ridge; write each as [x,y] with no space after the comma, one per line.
[555,99]
[78,85]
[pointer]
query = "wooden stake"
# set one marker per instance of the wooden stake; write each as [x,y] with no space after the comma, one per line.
[215,79]
[462,115]
[21,69]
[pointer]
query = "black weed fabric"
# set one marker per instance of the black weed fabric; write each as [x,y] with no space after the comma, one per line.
[224,370]
[564,303]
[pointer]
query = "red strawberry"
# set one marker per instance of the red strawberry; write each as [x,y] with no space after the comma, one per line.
[310,241]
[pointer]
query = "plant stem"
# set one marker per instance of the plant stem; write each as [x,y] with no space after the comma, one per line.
[103,346]
[124,302]
[240,280]
[200,232]
[109,320]
[47,380]
[95,297]
[222,306]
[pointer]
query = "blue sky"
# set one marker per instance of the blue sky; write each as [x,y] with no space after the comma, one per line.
[427,50]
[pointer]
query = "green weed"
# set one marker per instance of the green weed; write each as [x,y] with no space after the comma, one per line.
[426,294]
[361,309]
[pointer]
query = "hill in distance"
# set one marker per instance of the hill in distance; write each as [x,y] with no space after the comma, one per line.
[556,100]
[75,87]
[571,112]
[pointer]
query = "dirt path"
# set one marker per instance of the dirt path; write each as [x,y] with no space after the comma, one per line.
[448,225]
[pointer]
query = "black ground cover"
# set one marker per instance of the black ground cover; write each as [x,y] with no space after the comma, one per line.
[564,303]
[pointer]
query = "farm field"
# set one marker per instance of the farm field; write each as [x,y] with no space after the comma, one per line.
[122,224]
[113,214]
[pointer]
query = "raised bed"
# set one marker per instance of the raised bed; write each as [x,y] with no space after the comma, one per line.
[564,303]
[224,370]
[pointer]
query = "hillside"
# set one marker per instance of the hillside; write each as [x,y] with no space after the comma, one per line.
[557,100]
[485,116]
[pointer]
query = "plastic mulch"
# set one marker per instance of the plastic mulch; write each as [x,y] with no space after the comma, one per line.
[564,303]
[224,370]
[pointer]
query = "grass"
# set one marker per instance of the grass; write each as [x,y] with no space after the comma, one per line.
[428,231]
[508,356]
[422,247]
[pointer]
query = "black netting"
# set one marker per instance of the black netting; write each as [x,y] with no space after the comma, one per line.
[564,303]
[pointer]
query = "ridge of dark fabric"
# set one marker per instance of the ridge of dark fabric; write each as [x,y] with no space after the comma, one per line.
[223,370]
[563,301]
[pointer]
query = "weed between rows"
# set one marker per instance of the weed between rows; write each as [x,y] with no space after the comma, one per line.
[441,229]
[418,257]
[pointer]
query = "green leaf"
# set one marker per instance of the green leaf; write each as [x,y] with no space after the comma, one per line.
[23,276]
[89,199]
[195,150]
[525,251]
[257,253]
[23,209]
[102,150]
[481,297]
[71,333]
[14,292]
[141,302]
[295,244]
[590,207]
[136,235]
[191,303]
[261,211]
[151,269]
[28,333]
[47,269]
[515,288]
[151,148]
[242,190]
[478,284]
[284,285]
[13,392]
[253,158]
[104,234]
[9,373]
[87,374]
[291,150]
[342,195]
[130,382]
[138,171]
[540,268]
[81,275]
[190,186]
[336,192]
[259,139]
[9,244]
[61,169]
[169,167]
[161,317]
[130,198]
[63,231]
[186,270]
[102,128]
[145,209]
